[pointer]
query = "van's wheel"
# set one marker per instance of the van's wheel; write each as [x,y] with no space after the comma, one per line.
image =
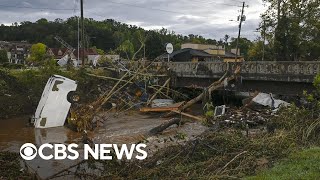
[73,97]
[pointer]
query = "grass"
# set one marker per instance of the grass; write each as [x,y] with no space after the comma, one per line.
[299,165]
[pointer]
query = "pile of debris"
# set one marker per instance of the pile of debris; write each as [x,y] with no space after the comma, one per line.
[257,111]
[136,87]
[132,85]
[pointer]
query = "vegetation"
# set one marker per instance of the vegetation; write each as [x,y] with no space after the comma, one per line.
[38,52]
[10,167]
[299,165]
[292,30]
[3,56]
[110,36]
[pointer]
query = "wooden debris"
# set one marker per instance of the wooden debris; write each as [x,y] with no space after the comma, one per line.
[165,125]
[108,78]
[214,86]
[159,90]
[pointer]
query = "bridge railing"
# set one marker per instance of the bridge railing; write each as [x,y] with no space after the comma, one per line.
[259,70]
[251,67]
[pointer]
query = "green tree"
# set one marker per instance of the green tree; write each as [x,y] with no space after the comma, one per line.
[3,56]
[256,51]
[111,36]
[99,51]
[127,48]
[244,46]
[293,28]
[226,38]
[38,52]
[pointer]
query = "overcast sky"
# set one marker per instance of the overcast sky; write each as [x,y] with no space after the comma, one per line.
[209,18]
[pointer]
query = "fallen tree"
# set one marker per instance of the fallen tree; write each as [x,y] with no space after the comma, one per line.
[165,125]
[214,86]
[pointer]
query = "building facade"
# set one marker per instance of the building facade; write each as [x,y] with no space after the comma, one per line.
[217,52]
[17,51]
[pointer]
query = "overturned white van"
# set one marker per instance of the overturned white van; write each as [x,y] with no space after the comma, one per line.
[55,102]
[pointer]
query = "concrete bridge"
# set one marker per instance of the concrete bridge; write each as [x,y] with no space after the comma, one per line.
[284,78]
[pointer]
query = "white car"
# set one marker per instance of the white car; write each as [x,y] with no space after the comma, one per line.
[55,102]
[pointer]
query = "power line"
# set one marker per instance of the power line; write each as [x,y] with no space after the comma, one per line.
[179,13]
[74,6]
[112,2]
[42,8]
[223,4]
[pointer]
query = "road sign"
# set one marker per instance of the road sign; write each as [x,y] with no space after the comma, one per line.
[169,48]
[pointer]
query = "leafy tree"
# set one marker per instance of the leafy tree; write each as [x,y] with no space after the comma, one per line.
[99,51]
[293,30]
[244,46]
[3,56]
[127,48]
[255,52]
[38,52]
[110,36]
[226,38]
[141,36]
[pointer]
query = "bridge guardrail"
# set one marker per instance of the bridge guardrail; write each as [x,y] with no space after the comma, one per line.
[298,71]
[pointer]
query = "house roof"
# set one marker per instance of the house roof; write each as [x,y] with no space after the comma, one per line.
[55,52]
[231,55]
[87,52]
[192,52]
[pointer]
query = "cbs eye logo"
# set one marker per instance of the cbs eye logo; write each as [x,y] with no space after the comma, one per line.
[28,151]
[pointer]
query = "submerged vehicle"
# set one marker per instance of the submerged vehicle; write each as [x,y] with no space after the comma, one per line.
[55,102]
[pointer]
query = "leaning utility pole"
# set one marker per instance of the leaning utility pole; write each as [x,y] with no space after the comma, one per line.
[82,34]
[240,24]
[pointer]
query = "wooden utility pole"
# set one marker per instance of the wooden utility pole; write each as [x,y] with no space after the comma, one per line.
[264,38]
[240,24]
[278,15]
[82,34]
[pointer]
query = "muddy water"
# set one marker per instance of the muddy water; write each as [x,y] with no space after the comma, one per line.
[123,128]
[16,131]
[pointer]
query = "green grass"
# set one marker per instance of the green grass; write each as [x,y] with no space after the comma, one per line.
[300,165]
